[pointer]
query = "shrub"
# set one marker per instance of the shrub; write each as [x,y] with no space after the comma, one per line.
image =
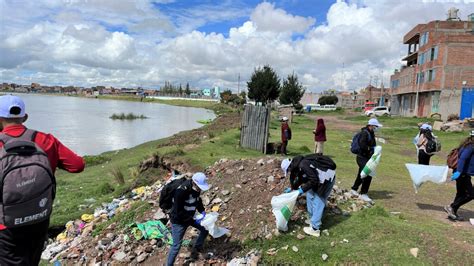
[452,117]
[129,116]
[105,188]
[118,175]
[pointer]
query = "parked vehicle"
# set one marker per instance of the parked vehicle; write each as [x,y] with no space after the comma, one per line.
[378,111]
[369,106]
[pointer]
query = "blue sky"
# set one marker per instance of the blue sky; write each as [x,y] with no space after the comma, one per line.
[146,43]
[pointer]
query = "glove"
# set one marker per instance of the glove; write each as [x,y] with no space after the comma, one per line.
[455,176]
[198,221]
[300,190]
[287,190]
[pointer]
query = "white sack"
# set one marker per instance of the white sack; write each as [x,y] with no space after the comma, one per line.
[209,222]
[422,173]
[371,166]
[282,207]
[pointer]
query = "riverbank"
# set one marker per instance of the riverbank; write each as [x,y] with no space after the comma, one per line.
[387,234]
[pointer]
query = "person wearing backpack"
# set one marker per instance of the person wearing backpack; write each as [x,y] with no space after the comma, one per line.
[363,145]
[26,202]
[314,174]
[186,202]
[462,175]
[319,136]
[285,135]
[425,137]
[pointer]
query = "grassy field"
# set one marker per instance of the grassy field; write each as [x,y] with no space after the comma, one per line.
[384,234]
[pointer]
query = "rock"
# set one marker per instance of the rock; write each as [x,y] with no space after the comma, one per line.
[259,207]
[437,125]
[241,168]
[148,249]
[270,161]
[270,179]
[142,257]
[414,252]
[159,214]
[261,162]
[205,200]
[225,192]
[285,247]
[105,241]
[294,248]
[300,236]
[471,220]
[326,232]
[269,236]
[216,201]
[110,235]
[333,244]
[227,199]
[271,251]
[73,255]
[119,255]
[324,257]
[229,171]
[238,186]
[242,211]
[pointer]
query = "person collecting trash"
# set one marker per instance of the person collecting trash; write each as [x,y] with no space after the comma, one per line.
[186,201]
[363,145]
[462,175]
[314,175]
[425,137]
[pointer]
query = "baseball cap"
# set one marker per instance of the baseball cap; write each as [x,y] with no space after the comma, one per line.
[426,127]
[284,118]
[200,180]
[284,165]
[7,102]
[374,122]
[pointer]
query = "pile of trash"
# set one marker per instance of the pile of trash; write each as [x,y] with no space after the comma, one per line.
[241,191]
[452,126]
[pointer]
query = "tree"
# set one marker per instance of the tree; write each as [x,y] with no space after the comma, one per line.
[187,90]
[180,90]
[292,91]
[264,85]
[331,99]
[225,96]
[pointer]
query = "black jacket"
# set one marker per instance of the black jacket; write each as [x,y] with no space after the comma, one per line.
[303,172]
[366,143]
[185,203]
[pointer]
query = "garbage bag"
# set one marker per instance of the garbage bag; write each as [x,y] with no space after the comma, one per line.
[209,222]
[371,165]
[423,173]
[282,206]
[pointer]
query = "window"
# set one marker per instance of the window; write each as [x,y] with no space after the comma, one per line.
[434,53]
[431,75]
[424,38]
[395,83]
[420,77]
[421,59]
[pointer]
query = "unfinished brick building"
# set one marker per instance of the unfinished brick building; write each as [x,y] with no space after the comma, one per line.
[439,73]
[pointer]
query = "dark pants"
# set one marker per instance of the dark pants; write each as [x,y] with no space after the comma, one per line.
[464,192]
[283,147]
[361,162]
[23,245]
[423,157]
[177,232]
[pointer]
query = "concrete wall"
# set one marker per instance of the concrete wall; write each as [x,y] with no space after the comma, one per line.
[450,103]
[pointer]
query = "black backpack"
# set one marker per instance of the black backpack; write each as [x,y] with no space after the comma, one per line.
[166,194]
[27,183]
[433,145]
[355,145]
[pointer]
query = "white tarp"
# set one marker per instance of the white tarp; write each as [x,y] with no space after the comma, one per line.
[423,173]
[282,207]
[371,166]
[209,222]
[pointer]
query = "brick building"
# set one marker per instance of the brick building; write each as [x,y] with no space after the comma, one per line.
[439,64]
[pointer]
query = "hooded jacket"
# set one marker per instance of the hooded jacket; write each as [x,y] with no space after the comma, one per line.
[186,201]
[304,172]
[465,161]
[320,131]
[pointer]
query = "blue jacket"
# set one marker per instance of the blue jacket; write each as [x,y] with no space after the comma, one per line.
[465,161]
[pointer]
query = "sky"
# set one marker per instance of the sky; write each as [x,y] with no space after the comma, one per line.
[340,45]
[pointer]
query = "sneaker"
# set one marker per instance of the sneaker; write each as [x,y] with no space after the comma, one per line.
[449,210]
[311,231]
[366,198]
[354,193]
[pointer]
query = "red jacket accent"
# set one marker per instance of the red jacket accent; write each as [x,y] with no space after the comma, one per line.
[58,154]
[320,131]
[284,132]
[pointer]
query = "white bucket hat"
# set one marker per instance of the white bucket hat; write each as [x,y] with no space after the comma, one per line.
[374,122]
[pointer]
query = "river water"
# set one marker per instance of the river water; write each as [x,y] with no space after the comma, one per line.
[84,125]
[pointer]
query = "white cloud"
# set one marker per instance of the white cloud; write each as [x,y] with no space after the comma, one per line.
[269,18]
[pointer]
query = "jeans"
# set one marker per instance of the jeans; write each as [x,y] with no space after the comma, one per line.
[361,162]
[464,192]
[177,232]
[315,204]
[283,147]
[423,157]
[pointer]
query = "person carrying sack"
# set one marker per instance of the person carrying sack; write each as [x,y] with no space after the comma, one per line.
[29,160]
[314,175]
[426,135]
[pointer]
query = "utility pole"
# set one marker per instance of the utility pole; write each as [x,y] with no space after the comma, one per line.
[238,85]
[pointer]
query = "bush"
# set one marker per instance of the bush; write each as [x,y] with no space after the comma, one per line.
[129,116]
[452,117]
[105,188]
[118,175]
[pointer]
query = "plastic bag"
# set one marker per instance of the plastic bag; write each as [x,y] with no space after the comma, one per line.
[422,173]
[209,222]
[371,166]
[282,206]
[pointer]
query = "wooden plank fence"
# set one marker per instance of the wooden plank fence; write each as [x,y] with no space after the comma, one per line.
[255,128]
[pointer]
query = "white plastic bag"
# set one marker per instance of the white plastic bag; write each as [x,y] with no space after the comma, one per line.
[371,166]
[422,173]
[209,222]
[282,206]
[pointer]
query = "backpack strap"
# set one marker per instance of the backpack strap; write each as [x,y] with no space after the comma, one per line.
[28,135]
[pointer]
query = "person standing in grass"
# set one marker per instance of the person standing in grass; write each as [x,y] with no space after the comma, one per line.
[366,144]
[319,137]
[425,136]
[27,153]
[462,175]
[285,135]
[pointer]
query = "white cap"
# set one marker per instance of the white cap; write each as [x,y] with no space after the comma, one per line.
[200,180]
[426,127]
[284,118]
[374,122]
[7,102]
[284,165]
